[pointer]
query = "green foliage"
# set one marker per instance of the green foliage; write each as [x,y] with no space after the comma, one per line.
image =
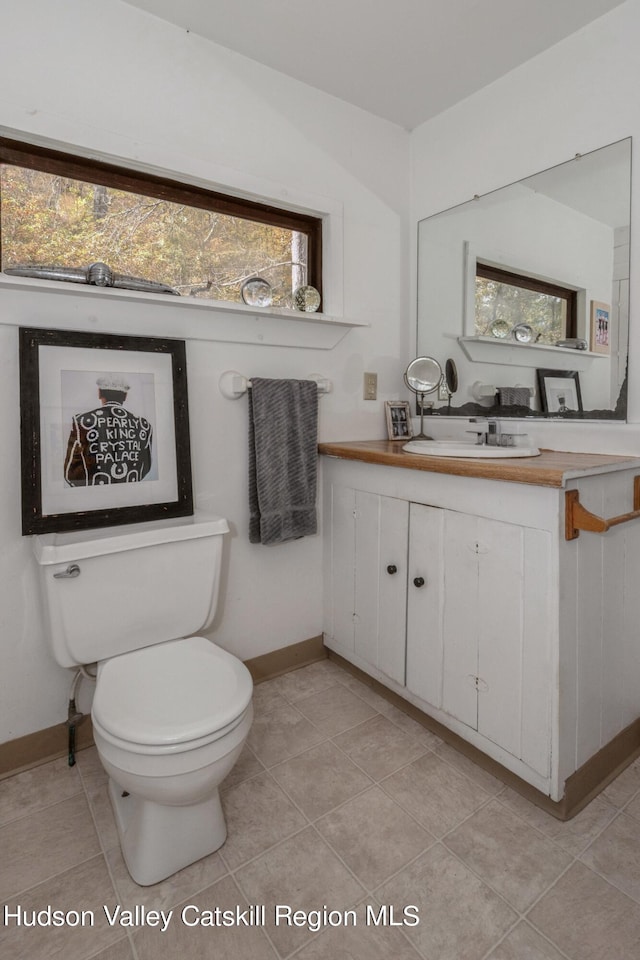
[55,221]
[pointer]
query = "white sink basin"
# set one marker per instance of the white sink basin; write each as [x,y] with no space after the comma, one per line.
[462,448]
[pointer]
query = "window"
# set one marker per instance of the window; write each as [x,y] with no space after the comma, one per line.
[58,210]
[505,299]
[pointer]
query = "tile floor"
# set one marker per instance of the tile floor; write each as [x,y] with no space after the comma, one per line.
[341,801]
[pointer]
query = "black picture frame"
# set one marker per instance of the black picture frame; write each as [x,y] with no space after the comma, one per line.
[58,368]
[559,391]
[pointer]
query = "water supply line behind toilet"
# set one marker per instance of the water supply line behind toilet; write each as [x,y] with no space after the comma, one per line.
[74,716]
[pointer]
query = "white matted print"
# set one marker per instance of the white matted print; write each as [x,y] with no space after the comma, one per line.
[105,430]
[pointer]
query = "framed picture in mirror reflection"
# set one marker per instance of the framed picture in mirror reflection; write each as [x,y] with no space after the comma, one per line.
[559,391]
[398,414]
[600,327]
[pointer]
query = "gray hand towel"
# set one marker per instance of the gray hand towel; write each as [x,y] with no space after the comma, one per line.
[283,458]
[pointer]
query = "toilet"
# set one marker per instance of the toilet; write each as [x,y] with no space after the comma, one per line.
[171,710]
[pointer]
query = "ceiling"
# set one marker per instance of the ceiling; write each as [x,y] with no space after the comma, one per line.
[404,60]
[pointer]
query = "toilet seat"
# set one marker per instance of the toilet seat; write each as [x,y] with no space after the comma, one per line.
[171,697]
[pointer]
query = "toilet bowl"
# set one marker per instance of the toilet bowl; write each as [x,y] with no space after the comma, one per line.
[170,712]
[169,723]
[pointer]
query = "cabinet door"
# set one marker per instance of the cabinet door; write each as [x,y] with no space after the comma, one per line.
[425,603]
[340,586]
[381,525]
[365,606]
[478,630]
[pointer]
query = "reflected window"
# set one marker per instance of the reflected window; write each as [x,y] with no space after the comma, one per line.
[505,299]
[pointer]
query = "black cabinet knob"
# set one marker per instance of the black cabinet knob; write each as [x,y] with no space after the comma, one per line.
[418,582]
[392,568]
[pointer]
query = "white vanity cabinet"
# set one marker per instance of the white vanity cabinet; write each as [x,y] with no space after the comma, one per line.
[478,629]
[461,594]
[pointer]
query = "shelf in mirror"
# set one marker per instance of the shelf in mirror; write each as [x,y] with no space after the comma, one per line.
[491,350]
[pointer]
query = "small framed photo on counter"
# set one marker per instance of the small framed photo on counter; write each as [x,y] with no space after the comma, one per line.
[398,420]
[600,327]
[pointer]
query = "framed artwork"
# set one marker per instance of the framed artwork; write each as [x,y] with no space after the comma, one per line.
[104,430]
[559,391]
[398,419]
[600,341]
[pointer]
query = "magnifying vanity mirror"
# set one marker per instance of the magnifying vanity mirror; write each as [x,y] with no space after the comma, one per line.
[423,376]
[533,277]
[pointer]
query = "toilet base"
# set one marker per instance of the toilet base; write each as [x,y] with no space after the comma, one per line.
[158,840]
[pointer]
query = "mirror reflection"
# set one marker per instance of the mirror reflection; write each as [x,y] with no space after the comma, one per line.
[534,276]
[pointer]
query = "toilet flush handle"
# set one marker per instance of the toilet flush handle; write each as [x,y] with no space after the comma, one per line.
[73,570]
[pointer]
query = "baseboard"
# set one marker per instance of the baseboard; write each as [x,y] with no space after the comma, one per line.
[581,787]
[594,775]
[41,747]
[53,742]
[274,664]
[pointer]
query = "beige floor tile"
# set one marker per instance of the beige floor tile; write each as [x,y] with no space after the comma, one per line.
[307,680]
[513,858]
[304,874]
[320,779]
[470,769]
[616,855]
[46,843]
[460,917]
[589,919]
[524,943]
[374,836]
[335,709]
[35,789]
[625,786]
[633,808]
[169,892]
[85,887]
[91,771]
[280,731]
[364,691]
[246,766]
[379,747]
[184,942]
[410,726]
[266,695]
[258,815]
[359,942]
[102,810]
[572,835]
[121,950]
[435,793]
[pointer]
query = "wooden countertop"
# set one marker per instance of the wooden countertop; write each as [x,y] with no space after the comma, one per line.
[551,469]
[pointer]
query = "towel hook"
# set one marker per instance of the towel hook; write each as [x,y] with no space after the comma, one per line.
[233,384]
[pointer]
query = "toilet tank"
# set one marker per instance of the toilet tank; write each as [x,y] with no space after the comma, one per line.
[124,588]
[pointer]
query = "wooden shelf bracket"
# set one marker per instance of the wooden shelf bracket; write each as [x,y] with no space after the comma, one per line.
[577,517]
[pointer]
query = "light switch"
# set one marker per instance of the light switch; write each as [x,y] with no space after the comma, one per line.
[370,386]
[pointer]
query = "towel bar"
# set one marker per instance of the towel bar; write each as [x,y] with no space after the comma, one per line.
[233,384]
[577,518]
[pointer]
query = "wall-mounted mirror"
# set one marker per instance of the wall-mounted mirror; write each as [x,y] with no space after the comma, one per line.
[506,278]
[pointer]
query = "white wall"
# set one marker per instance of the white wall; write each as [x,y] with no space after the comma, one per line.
[574,98]
[113,81]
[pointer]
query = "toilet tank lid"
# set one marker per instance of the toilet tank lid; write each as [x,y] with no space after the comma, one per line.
[80,544]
